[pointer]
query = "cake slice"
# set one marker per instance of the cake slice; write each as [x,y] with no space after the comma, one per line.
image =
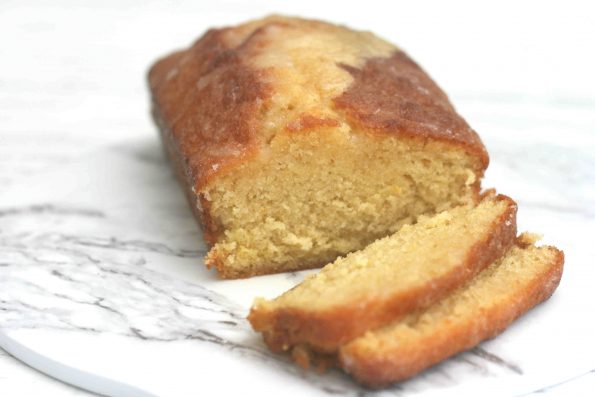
[298,141]
[480,310]
[391,277]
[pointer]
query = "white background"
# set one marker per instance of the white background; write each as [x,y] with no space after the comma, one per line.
[72,79]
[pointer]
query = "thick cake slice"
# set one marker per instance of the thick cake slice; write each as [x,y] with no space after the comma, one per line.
[391,277]
[526,276]
[297,141]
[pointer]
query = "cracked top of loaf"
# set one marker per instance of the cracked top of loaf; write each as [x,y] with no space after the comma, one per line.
[233,91]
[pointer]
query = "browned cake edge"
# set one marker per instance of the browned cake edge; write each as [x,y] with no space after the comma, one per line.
[200,209]
[399,363]
[213,261]
[325,331]
[375,102]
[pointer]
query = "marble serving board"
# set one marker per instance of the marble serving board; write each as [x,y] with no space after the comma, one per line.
[102,285]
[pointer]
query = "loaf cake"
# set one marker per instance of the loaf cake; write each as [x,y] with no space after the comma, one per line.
[298,141]
[482,309]
[389,278]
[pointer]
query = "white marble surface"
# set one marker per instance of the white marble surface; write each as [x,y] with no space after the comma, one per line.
[102,286]
[72,81]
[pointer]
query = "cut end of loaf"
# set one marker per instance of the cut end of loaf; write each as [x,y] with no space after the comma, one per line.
[313,198]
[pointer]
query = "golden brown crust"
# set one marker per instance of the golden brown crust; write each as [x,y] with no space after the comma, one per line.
[307,359]
[395,96]
[283,328]
[210,101]
[308,122]
[207,103]
[406,361]
[201,212]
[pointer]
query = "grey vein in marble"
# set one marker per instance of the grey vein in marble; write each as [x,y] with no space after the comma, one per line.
[120,296]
